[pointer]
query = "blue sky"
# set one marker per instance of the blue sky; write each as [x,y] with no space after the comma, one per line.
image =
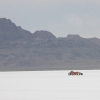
[61,17]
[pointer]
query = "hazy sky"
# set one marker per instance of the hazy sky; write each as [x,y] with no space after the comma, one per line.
[61,17]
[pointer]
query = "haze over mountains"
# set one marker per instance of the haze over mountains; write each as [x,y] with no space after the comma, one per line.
[23,50]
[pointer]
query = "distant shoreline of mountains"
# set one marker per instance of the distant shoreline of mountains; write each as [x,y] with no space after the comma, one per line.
[20,50]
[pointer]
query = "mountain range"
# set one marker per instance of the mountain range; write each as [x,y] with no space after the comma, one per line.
[21,50]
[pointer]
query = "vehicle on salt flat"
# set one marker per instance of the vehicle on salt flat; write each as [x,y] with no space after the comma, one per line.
[75,73]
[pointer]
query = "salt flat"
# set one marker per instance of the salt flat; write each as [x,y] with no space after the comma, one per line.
[50,85]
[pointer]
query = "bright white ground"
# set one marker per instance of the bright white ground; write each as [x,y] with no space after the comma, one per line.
[49,85]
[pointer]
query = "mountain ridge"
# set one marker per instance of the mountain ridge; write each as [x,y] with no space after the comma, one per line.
[41,50]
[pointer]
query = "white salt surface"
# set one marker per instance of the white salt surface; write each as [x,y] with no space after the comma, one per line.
[49,85]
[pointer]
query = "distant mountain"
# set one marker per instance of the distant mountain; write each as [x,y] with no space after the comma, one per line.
[10,32]
[95,40]
[41,50]
[43,35]
[73,37]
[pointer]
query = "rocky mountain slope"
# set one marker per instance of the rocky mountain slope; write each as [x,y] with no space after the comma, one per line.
[23,50]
